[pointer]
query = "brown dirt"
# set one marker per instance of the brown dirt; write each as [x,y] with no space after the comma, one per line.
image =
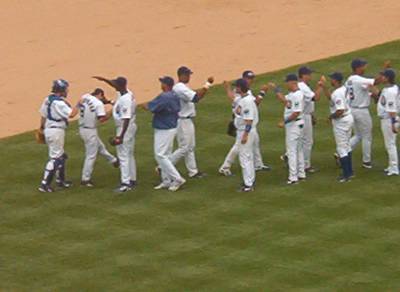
[48,39]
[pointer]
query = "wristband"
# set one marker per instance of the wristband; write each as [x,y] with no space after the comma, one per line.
[333,116]
[262,93]
[247,129]
[287,121]
[393,120]
[278,89]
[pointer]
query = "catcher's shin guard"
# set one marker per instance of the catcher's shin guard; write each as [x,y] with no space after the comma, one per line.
[49,172]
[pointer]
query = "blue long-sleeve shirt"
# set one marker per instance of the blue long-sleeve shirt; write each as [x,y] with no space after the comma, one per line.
[165,109]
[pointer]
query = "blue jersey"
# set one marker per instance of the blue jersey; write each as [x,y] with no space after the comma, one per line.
[165,108]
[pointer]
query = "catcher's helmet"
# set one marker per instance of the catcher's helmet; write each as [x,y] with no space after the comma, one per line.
[59,85]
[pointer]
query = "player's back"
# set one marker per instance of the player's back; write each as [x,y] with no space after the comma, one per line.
[89,111]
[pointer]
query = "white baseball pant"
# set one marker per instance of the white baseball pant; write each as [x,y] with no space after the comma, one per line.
[362,132]
[163,145]
[125,153]
[186,146]
[55,138]
[390,145]
[294,150]
[342,129]
[308,140]
[93,145]
[246,157]
[234,152]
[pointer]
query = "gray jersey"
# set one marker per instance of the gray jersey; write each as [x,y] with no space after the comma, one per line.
[309,104]
[91,109]
[56,111]
[358,91]
[186,96]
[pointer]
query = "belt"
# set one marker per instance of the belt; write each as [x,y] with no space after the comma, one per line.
[56,127]
[87,128]
[186,118]
[360,107]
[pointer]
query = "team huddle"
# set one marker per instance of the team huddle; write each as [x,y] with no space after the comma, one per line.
[174,110]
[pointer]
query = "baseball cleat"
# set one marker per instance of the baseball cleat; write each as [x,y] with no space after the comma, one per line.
[177,185]
[391,174]
[132,184]
[246,189]
[264,167]
[87,183]
[343,179]
[292,182]
[367,165]
[386,170]
[225,171]
[199,174]
[64,184]
[302,178]
[123,188]
[162,186]
[45,189]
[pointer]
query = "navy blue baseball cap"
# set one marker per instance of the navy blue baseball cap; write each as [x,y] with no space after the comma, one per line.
[183,70]
[389,74]
[242,84]
[120,81]
[167,81]
[248,74]
[336,76]
[291,77]
[304,70]
[357,63]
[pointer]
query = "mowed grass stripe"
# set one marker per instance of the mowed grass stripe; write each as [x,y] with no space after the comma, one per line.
[316,236]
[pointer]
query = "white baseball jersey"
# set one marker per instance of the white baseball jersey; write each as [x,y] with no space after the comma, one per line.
[294,104]
[238,97]
[339,101]
[91,109]
[56,112]
[124,108]
[388,101]
[186,96]
[309,104]
[358,91]
[246,110]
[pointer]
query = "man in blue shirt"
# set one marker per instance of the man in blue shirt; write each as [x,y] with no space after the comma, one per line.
[165,109]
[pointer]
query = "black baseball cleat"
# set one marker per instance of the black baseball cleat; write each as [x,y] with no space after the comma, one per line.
[43,188]
[123,188]
[367,165]
[132,184]
[66,184]
[246,189]
[199,174]
[87,183]
[343,179]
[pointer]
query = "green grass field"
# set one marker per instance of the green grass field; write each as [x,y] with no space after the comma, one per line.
[316,236]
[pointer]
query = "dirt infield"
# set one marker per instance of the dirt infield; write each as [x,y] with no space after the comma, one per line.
[48,39]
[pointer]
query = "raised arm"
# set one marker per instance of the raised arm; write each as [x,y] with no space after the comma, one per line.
[107,81]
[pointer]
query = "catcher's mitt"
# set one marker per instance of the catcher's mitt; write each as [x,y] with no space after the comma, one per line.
[39,137]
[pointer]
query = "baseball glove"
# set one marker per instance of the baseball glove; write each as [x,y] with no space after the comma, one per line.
[231,129]
[39,137]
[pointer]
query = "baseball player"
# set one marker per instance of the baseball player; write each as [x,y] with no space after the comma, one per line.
[124,113]
[359,95]
[310,97]
[165,108]
[185,130]
[234,97]
[388,109]
[55,112]
[92,109]
[294,127]
[246,120]
[342,123]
